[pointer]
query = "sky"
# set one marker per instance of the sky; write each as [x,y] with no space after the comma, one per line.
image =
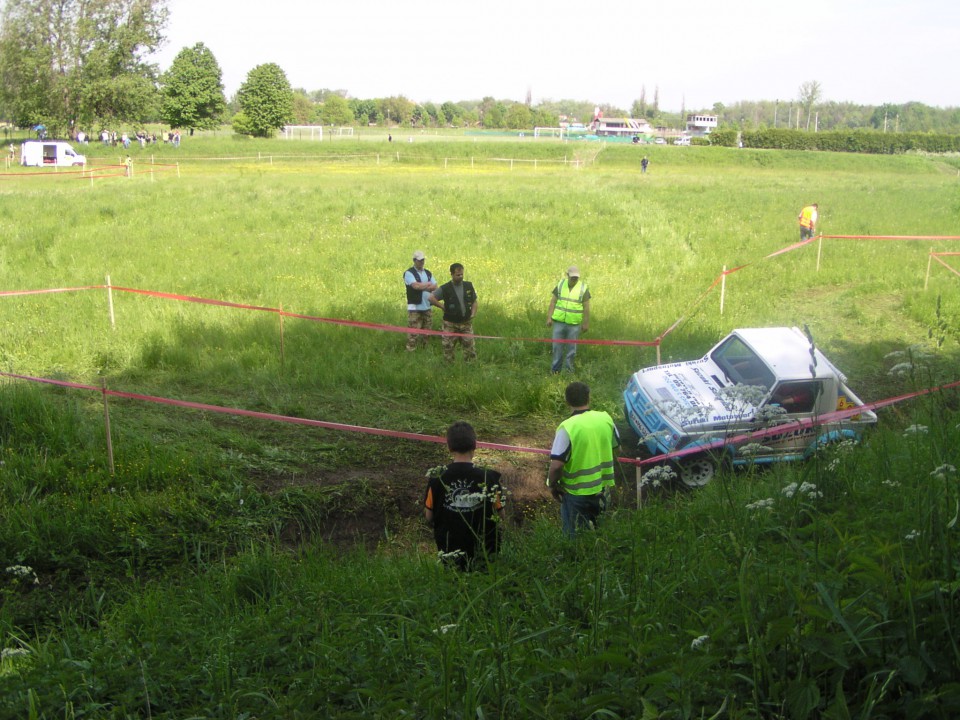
[692,54]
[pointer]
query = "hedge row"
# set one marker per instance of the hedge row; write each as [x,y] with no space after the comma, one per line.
[858,141]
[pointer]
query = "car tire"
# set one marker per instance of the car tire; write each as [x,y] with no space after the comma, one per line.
[696,471]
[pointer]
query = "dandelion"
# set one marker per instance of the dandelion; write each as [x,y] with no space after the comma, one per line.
[943,472]
[915,430]
[699,642]
[765,504]
[912,535]
[657,476]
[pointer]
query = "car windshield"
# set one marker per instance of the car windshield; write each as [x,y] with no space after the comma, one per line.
[741,365]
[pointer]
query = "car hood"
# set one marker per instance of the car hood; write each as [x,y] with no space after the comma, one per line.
[694,395]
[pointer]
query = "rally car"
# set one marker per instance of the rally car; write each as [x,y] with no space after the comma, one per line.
[760,395]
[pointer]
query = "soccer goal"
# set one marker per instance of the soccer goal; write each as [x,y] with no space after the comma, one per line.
[556,132]
[345,132]
[302,132]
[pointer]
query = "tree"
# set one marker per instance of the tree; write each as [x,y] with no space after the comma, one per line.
[266,101]
[304,110]
[336,111]
[69,62]
[518,117]
[810,93]
[192,90]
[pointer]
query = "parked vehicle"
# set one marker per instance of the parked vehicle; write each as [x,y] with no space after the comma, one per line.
[754,378]
[682,140]
[41,153]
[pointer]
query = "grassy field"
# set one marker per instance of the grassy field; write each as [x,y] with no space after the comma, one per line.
[211,575]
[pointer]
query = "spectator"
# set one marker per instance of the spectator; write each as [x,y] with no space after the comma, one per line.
[569,315]
[581,461]
[458,300]
[464,504]
[420,284]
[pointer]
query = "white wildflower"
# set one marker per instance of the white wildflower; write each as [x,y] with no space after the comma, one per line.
[915,430]
[23,572]
[833,465]
[900,369]
[891,483]
[765,504]
[754,449]
[895,355]
[452,555]
[789,490]
[912,535]
[810,490]
[699,642]
[657,476]
[770,414]
[444,629]
[944,471]
[10,653]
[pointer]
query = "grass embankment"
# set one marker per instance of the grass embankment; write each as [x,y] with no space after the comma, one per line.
[169,588]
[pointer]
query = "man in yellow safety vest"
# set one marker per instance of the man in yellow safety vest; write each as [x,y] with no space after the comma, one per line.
[581,461]
[569,315]
[808,221]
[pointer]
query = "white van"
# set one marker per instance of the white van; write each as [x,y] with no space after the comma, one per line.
[41,153]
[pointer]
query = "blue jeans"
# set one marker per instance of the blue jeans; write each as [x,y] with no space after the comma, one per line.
[563,331]
[580,511]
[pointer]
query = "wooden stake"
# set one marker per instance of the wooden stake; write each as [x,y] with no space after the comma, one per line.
[723,288]
[819,249]
[113,323]
[282,353]
[929,262]
[106,425]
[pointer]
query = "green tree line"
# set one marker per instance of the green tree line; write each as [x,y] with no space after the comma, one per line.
[72,64]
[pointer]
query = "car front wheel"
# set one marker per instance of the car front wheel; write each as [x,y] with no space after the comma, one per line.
[696,471]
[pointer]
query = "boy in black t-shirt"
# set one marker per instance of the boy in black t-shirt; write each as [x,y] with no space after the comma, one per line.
[463,503]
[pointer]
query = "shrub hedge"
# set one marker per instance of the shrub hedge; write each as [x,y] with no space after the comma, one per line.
[858,141]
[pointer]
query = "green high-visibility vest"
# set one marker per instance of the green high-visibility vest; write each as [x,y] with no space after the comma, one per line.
[589,469]
[569,307]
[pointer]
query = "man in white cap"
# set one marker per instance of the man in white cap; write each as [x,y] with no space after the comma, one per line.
[569,315]
[420,284]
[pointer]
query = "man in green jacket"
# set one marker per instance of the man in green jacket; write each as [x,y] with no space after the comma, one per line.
[581,461]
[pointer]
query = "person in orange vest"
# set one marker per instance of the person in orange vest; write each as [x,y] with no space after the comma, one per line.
[808,221]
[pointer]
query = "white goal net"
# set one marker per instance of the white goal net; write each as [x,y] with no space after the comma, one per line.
[302,132]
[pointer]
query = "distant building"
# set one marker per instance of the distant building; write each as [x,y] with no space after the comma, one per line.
[701,124]
[623,126]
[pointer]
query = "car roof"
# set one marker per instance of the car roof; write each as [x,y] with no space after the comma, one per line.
[787,351]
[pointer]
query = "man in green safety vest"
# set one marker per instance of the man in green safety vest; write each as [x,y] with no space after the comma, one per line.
[569,315]
[581,461]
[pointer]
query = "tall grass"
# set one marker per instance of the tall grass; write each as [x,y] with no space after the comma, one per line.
[170,590]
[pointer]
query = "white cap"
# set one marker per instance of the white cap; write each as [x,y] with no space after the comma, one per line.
[418,255]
